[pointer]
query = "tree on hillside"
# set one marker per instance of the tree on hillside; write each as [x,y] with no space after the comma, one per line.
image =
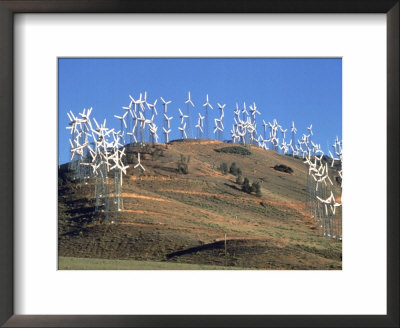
[183,164]
[246,186]
[235,170]
[255,187]
[239,179]
[224,168]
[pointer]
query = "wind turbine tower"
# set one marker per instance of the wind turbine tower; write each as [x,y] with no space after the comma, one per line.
[166,121]
[199,126]
[220,120]
[128,110]
[153,114]
[293,130]
[311,133]
[206,105]
[189,124]
[123,124]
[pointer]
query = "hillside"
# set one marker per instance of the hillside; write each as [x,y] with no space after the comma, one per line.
[174,217]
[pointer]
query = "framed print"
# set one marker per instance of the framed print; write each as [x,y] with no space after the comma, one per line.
[189,193]
[178,200]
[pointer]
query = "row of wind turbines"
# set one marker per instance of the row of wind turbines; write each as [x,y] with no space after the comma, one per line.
[138,124]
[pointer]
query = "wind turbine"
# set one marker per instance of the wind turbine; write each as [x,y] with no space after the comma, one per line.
[165,104]
[310,129]
[293,130]
[265,125]
[283,132]
[251,129]
[183,131]
[153,131]
[220,120]
[333,158]
[234,134]
[168,119]
[206,105]
[166,133]
[122,119]
[134,114]
[182,116]
[254,111]
[153,107]
[283,142]
[166,122]
[199,126]
[154,113]
[139,164]
[128,110]
[244,111]
[310,133]
[132,134]
[242,134]
[189,102]
[73,122]
[199,129]
[217,128]
[142,124]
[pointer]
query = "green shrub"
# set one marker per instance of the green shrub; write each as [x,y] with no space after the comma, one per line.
[183,165]
[234,150]
[235,170]
[255,187]
[246,187]
[239,179]
[283,168]
[223,168]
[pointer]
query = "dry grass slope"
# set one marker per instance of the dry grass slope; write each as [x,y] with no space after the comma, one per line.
[183,218]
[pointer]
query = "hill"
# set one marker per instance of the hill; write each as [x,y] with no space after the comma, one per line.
[170,216]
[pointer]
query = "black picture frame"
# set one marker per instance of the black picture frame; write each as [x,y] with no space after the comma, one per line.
[10,7]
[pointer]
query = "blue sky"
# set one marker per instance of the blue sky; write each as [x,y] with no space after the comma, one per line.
[306,91]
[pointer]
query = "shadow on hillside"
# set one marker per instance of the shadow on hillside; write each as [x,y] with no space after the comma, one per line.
[81,211]
[211,246]
[164,168]
[232,186]
[74,232]
[82,218]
